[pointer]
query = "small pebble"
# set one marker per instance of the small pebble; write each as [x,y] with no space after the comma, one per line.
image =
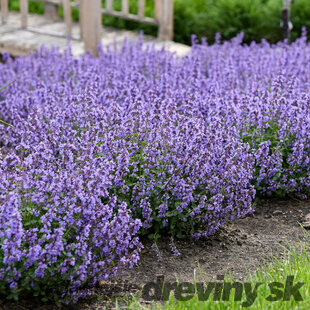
[277,212]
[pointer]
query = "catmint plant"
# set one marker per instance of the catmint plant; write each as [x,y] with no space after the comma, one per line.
[96,152]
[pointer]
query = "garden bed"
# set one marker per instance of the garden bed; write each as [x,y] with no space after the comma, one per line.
[244,244]
[238,248]
[99,154]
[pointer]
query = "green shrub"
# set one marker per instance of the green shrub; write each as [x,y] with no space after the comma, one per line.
[300,17]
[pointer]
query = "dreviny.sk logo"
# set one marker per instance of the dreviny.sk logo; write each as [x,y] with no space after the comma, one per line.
[221,290]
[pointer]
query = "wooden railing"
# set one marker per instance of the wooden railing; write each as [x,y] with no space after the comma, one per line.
[91,16]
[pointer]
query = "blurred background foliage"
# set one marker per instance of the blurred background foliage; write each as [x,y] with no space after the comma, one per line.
[256,18]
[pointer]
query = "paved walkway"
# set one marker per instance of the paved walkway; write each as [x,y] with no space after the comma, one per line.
[17,41]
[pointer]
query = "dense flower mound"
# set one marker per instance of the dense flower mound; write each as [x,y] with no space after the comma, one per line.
[263,90]
[99,150]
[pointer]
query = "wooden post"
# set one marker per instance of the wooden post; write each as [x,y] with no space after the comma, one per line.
[141,10]
[109,5]
[24,13]
[125,7]
[51,11]
[164,17]
[158,9]
[82,5]
[4,11]
[67,16]
[91,24]
[286,19]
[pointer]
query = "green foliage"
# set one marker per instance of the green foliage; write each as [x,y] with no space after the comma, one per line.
[34,7]
[224,16]
[300,16]
[231,17]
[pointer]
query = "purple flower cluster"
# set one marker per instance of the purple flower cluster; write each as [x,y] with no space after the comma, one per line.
[139,141]
[263,90]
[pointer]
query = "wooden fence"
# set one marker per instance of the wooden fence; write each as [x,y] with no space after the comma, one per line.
[91,16]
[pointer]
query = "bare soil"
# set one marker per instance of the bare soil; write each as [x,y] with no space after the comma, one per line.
[238,247]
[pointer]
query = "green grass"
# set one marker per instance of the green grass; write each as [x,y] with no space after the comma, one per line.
[295,263]
[256,18]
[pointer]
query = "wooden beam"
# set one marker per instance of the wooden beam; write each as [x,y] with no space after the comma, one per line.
[4,11]
[91,24]
[24,13]
[51,11]
[55,2]
[133,17]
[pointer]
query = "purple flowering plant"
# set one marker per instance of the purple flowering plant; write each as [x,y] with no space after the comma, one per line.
[95,152]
